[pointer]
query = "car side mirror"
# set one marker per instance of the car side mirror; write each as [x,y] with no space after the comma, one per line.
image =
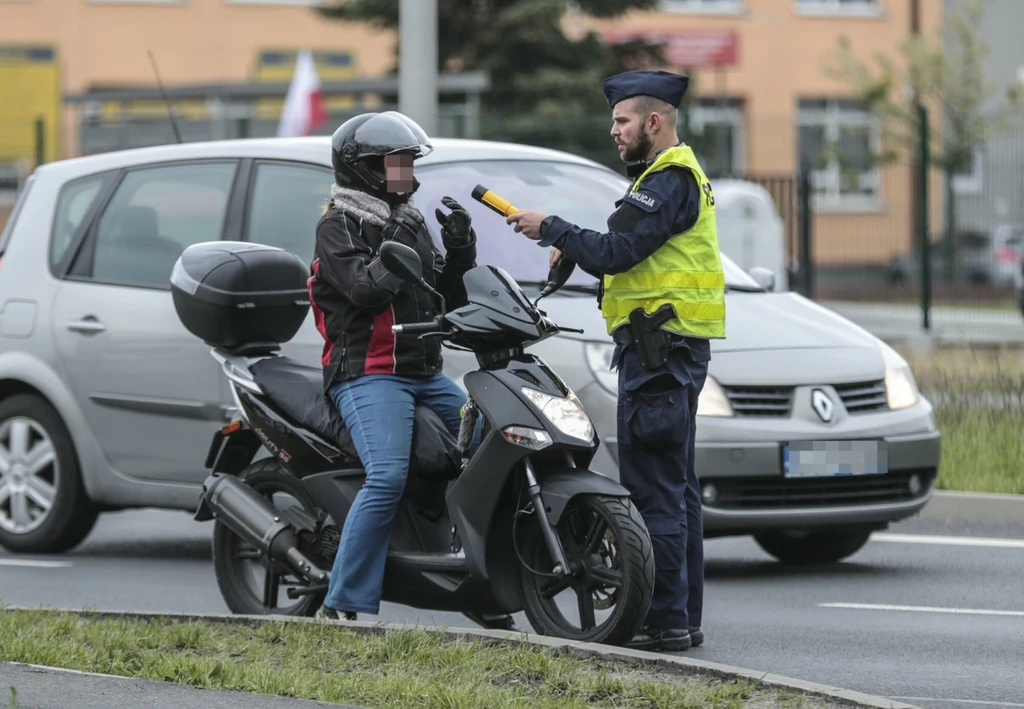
[764,277]
[402,261]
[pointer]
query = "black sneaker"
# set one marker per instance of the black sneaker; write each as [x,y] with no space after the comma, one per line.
[654,639]
[331,614]
[696,637]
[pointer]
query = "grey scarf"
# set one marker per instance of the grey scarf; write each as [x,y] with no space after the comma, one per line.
[362,205]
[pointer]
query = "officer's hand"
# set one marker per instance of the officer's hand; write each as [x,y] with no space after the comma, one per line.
[527,222]
[455,228]
[554,258]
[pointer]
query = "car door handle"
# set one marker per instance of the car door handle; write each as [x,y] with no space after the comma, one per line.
[87,325]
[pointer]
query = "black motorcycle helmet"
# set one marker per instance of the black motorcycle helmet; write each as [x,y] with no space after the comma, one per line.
[359,145]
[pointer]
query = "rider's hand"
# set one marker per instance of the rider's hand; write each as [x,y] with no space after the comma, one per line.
[403,225]
[456,228]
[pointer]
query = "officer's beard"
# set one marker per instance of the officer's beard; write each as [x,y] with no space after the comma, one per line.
[640,148]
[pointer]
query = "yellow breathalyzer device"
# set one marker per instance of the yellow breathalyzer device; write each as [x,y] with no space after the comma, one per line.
[499,204]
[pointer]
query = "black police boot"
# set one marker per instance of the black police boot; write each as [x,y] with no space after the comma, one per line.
[696,637]
[654,639]
[491,622]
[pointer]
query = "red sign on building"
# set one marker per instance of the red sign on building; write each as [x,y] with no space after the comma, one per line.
[686,48]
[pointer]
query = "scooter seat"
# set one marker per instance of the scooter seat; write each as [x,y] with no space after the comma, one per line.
[297,390]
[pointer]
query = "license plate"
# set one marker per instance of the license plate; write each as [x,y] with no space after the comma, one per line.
[827,459]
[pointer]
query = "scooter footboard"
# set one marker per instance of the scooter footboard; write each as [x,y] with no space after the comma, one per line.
[557,488]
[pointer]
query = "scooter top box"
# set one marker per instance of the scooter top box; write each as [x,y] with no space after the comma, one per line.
[234,294]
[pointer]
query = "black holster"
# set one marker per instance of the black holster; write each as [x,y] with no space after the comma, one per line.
[652,343]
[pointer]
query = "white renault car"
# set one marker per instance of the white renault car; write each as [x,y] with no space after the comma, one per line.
[811,432]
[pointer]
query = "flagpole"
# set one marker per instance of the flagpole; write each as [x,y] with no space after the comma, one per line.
[417,69]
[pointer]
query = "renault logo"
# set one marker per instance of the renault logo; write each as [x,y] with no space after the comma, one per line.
[822,405]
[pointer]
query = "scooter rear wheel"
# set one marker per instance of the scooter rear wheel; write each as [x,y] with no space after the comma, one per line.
[248,582]
[609,551]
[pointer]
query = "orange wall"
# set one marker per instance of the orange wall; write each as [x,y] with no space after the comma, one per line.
[194,41]
[780,61]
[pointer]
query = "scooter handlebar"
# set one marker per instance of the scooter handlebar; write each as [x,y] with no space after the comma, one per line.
[417,328]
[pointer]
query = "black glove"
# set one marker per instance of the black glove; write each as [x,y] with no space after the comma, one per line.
[456,229]
[403,225]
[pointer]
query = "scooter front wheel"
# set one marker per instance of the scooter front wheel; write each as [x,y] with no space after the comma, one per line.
[606,597]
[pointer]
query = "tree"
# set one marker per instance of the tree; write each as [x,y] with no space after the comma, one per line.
[946,73]
[545,86]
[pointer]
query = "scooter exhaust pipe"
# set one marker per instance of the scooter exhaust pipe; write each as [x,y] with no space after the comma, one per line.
[246,513]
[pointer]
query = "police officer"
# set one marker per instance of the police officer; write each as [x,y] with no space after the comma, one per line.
[663,299]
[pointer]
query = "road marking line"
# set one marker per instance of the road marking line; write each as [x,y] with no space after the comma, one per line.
[977,702]
[35,563]
[921,609]
[948,541]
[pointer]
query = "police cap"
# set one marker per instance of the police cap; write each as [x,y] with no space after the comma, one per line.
[665,85]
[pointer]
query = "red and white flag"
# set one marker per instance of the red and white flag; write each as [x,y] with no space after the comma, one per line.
[304,109]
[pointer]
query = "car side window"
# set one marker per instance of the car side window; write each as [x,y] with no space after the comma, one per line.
[73,204]
[286,202]
[153,215]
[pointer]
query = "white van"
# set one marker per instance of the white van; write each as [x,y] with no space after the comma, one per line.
[750,230]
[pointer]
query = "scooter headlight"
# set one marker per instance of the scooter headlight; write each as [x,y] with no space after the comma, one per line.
[565,413]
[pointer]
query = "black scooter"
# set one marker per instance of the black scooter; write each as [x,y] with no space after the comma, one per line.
[507,529]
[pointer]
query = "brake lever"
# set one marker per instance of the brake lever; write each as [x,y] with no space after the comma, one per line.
[569,329]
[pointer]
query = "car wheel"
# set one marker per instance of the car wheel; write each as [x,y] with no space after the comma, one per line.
[43,505]
[819,547]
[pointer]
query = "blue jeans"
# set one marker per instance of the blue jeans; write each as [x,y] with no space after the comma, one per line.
[378,411]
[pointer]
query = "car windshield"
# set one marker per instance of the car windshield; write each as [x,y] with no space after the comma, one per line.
[581,194]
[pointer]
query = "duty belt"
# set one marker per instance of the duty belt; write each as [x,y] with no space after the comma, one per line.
[624,336]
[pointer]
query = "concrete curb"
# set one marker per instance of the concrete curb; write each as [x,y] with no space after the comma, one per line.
[581,649]
[974,507]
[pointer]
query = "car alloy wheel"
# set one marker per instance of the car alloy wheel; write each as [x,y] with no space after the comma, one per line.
[29,475]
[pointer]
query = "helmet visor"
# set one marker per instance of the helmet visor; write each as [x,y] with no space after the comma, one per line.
[390,132]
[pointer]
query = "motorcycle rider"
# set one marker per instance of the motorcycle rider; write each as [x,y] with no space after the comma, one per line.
[373,376]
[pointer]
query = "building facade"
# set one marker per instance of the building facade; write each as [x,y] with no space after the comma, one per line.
[763,103]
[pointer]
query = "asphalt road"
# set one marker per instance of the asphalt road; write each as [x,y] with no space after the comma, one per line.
[931,615]
[37,688]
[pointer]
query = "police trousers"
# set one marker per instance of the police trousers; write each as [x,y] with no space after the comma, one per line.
[657,412]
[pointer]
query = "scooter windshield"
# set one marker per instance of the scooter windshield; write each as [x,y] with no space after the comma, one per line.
[492,288]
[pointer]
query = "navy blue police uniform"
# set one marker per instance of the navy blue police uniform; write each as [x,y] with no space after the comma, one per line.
[662,483]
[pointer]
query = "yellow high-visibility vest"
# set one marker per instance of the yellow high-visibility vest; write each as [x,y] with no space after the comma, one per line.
[686,271]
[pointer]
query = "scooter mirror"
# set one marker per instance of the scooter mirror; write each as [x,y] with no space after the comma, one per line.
[402,261]
[557,278]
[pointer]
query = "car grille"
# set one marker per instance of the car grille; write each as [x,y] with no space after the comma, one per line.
[777,402]
[863,397]
[774,402]
[775,492]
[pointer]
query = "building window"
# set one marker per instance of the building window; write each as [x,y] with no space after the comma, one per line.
[139,2]
[858,8]
[293,3]
[717,135]
[839,140]
[724,7]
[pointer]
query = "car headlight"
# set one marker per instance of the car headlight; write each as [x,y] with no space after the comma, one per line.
[900,385]
[599,359]
[565,413]
[712,400]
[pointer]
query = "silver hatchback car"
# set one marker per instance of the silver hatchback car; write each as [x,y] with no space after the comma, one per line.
[811,431]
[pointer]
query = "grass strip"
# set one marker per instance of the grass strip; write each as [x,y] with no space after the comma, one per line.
[407,668]
[978,395]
